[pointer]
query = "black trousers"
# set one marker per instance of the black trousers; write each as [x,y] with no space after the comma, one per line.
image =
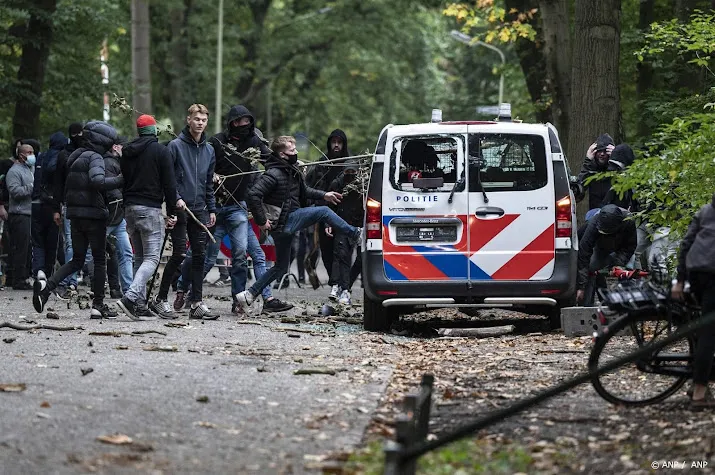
[703,287]
[342,261]
[86,234]
[112,266]
[327,248]
[45,237]
[20,229]
[185,225]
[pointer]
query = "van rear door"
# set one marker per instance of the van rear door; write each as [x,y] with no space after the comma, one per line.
[424,216]
[511,205]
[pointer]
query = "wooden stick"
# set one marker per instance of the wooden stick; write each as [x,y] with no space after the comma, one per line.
[477,332]
[37,327]
[203,226]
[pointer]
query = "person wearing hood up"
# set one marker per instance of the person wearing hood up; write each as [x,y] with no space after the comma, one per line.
[320,177]
[696,263]
[351,210]
[69,285]
[194,164]
[279,202]
[609,241]
[45,232]
[148,171]
[85,197]
[598,160]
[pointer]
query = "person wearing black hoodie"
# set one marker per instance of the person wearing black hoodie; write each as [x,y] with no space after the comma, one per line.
[279,201]
[148,170]
[320,177]
[194,164]
[85,190]
[597,161]
[610,240]
[45,232]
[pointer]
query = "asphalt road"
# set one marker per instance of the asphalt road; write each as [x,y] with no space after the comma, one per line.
[219,397]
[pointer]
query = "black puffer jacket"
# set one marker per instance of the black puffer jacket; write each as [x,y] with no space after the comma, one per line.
[320,177]
[46,168]
[114,197]
[281,185]
[87,183]
[597,189]
[622,243]
[60,176]
[229,163]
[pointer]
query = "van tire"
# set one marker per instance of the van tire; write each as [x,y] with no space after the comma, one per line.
[375,317]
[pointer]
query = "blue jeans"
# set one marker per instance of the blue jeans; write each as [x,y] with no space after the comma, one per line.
[125,256]
[231,220]
[146,227]
[72,278]
[298,220]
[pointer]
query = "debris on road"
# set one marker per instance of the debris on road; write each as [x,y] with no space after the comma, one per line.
[170,348]
[477,332]
[115,439]
[203,399]
[314,371]
[36,327]
[53,316]
[86,371]
[8,340]
[12,387]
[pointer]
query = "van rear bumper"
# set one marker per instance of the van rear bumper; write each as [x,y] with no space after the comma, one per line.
[560,288]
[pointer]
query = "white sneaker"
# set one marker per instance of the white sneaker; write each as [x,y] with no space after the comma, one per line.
[334,293]
[41,275]
[244,299]
[345,298]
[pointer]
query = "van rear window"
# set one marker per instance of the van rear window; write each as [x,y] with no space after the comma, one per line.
[426,157]
[506,162]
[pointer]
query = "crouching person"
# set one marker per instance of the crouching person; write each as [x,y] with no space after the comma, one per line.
[278,202]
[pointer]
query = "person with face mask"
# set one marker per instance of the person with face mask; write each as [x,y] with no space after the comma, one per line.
[352,211]
[20,183]
[598,160]
[279,202]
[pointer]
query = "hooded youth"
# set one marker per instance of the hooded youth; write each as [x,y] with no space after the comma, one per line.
[320,177]
[46,168]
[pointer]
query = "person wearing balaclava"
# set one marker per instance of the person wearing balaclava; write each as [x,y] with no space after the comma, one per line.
[351,210]
[610,240]
[20,182]
[320,177]
[598,160]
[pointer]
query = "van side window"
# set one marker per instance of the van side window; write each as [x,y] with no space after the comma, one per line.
[426,157]
[507,162]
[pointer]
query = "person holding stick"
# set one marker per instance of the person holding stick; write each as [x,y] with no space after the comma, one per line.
[149,181]
[194,164]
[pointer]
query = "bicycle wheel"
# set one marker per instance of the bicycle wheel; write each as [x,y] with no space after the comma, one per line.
[636,383]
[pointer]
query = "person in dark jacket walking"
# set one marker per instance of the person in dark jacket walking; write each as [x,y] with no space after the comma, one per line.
[320,177]
[68,285]
[609,241]
[232,213]
[148,170]
[20,180]
[194,164]
[597,161]
[351,210]
[85,190]
[45,232]
[278,202]
[696,263]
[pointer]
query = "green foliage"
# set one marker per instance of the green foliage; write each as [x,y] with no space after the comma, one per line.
[467,456]
[492,17]
[693,40]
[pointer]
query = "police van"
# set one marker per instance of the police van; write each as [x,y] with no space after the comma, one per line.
[468,214]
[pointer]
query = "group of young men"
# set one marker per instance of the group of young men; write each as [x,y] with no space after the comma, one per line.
[104,185]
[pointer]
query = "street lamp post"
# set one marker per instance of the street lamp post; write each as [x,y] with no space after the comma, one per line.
[219,68]
[466,39]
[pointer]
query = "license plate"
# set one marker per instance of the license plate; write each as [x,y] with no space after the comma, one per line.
[426,234]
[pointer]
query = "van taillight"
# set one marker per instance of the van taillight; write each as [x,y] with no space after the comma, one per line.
[563,218]
[373,219]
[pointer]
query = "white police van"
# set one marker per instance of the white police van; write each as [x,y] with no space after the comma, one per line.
[468,214]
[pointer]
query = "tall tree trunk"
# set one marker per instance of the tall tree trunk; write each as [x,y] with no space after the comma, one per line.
[141,74]
[595,97]
[177,61]
[532,61]
[556,27]
[644,69]
[31,75]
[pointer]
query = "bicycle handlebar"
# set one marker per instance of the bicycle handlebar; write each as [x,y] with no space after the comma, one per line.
[622,274]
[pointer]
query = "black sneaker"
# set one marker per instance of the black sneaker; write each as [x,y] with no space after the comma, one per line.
[129,308]
[222,281]
[201,312]
[163,309]
[40,294]
[102,311]
[115,294]
[274,306]
[145,314]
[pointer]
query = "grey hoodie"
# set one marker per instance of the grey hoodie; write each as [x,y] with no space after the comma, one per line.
[20,180]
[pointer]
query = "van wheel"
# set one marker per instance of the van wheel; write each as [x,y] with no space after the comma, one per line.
[375,317]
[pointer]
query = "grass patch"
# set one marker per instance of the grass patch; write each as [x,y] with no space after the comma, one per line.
[469,456]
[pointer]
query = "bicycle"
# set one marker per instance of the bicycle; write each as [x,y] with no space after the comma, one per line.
[649,314]
[600,279]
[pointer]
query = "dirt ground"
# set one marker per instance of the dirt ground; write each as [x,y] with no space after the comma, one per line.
[577,432]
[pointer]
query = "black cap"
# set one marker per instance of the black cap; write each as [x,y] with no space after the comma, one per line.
[610,219]
[603,142]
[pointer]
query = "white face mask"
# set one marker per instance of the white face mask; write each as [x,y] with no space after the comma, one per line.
[31,160]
